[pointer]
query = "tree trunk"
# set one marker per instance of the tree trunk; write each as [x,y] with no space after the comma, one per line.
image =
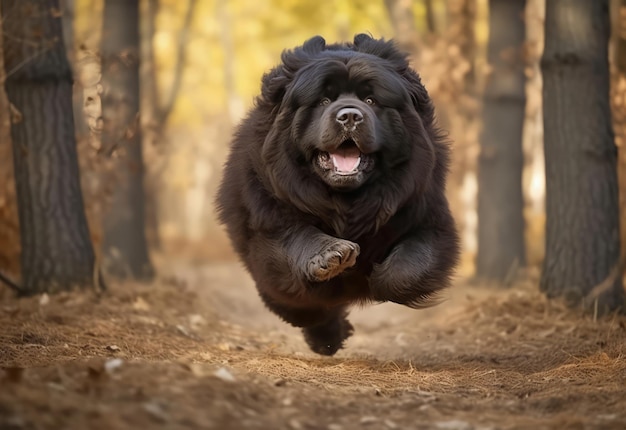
[431,25]
[125,247]
[57,253]
[403,23]
[459,110]
[151,129]
[620,39]
[582,225]
[68,10]
[500,199]
[618,98]
[10,251]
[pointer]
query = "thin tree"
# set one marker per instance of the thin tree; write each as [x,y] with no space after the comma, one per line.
[162,106]
[618,105]
[124,243]
[460,102]
[158,108]
[57,253]
[500,199]
[431,24]
[402,20]
[582,217]
[68,16]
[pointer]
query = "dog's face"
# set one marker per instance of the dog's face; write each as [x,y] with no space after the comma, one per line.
[350,113]
[347,119]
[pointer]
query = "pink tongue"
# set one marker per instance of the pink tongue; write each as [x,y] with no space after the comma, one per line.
[346,160]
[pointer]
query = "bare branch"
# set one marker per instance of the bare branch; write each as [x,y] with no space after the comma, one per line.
[10,283]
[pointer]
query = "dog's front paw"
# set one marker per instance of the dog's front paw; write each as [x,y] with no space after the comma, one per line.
[334,259]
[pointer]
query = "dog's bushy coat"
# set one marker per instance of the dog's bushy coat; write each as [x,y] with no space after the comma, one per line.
[314,238]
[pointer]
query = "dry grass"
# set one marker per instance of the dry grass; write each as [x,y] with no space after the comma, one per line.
[485,359]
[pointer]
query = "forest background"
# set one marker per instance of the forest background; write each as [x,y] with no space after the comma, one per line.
[200,69]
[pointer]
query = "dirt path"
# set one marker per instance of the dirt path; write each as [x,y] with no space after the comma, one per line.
[198,350]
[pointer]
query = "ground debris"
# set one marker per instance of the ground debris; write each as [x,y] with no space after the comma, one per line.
[156,411]
[119,362]
[224,374]
[368,419]
[113,364]
[453,425]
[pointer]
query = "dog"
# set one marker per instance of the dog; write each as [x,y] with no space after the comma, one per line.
[333,193]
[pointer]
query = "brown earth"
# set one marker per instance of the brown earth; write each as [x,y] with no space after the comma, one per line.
[197,350]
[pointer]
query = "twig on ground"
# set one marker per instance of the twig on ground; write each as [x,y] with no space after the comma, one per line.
[10,283]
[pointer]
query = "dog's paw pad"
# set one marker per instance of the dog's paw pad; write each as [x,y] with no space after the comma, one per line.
[333,260]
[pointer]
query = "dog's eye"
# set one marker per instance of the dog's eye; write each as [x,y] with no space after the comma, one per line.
[325,101]
[370,101]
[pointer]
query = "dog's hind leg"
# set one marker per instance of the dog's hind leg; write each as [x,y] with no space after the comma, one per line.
[325,329]
[328,337]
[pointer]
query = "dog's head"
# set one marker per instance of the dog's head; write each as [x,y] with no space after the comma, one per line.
[349,112]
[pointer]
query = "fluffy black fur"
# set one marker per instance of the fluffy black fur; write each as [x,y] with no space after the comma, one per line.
[317,237]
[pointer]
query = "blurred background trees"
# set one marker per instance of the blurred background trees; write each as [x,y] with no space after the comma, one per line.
[501,249]
[160,84]
[125,248]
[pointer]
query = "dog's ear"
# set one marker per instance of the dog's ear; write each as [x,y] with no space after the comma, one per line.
[361,38]
[314,45]
[386,49]
[273,85]
[419,96]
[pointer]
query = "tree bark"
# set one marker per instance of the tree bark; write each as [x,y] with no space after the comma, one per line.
[500,199]
[57,253]
[125,247]
[152,130]
[582,225]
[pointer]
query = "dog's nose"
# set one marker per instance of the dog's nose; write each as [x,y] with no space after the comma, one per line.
[349,117]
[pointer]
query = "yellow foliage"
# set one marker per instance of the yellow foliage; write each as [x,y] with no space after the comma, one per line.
[232,43]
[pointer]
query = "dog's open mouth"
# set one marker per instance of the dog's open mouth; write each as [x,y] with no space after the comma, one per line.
[345,160]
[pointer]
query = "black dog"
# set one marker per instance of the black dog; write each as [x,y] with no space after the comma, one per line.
[333,192]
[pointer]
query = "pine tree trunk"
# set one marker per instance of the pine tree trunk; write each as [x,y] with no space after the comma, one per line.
[500,200]
[57,253]
[582,225]
[124,241]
